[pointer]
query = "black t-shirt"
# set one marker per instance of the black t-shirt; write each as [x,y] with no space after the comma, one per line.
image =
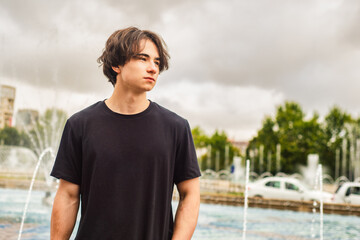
[126,166]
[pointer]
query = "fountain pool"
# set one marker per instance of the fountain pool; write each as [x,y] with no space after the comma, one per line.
[215,221]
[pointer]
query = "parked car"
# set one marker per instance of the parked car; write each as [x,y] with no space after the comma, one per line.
[285,188]
[348,192]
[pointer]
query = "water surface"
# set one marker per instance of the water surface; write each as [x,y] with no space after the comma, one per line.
[215,221]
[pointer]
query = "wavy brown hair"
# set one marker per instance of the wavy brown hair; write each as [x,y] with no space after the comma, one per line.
[124,44]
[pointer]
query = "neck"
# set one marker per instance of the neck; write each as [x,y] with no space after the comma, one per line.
[127,102]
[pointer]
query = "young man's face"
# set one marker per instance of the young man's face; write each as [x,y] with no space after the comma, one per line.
[140,73]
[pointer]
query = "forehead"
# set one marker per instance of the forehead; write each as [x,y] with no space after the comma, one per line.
[148,47]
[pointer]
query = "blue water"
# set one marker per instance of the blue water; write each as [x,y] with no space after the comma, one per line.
[215,221]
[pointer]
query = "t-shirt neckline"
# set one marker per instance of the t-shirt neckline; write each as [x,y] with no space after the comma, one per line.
[127,116]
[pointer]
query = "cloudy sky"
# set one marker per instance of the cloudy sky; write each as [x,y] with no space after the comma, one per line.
[232,61]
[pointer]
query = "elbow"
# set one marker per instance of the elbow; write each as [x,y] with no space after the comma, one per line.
[189,191]
[191,197]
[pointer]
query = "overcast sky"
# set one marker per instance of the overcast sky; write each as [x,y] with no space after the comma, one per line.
[232,61]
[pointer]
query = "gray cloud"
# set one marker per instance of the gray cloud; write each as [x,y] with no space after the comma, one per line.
[233,42]
[307,51]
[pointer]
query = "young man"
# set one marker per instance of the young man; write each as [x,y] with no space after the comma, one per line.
[122,156]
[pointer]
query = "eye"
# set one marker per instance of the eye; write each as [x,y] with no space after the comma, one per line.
[157,63]
[141,58]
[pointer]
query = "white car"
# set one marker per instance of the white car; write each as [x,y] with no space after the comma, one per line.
[348,192]
[285,188]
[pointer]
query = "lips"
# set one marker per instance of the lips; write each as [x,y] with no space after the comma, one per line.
[150,78]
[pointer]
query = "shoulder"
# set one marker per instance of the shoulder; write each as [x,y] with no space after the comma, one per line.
[81,117]
[170,116]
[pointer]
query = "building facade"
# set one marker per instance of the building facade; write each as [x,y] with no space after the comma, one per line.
[7,99]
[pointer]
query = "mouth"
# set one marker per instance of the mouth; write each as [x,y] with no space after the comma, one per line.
[150,78]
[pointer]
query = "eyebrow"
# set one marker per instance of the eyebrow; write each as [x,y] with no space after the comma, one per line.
[146,55]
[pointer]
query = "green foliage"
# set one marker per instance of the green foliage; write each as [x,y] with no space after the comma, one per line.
[217,143]
[200,139]
[9,136]
[299,137]
[339,125]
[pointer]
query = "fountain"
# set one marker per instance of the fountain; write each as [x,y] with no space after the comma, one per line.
[321,203]
[217,161]
[44,136]
[208,159]
[261,158]
[45,143]
[278,157]
[45,153]
[344,157]
[310,170]
[217,221]
[357,160]
[246,197]
[318,186]
[269,161]
[337,162]
[227,152]
[47,150]
[237,171]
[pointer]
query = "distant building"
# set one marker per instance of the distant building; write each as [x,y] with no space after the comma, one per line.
[241,145]
[26,118]
[7,99]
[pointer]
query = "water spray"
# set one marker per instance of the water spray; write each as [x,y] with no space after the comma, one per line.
[246,197]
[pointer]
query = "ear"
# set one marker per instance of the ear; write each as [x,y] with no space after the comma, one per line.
[116,69]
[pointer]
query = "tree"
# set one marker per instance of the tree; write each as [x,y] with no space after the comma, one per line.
[10,136]
[335,130]
[296,136]
[299,137]
[217,142]
[200,139]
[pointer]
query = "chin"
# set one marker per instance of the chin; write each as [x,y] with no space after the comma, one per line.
[148,88]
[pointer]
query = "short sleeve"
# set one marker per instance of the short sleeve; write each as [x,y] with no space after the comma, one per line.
[67,164]
[186,164]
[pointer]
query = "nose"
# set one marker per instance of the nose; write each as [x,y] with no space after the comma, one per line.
[152,68]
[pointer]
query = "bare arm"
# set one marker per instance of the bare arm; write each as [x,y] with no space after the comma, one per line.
[65,208]
[188,209]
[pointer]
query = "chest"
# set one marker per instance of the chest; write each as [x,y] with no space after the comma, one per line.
[129,145]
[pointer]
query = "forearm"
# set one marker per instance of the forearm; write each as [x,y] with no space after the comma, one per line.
[186,217]
[63,216]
